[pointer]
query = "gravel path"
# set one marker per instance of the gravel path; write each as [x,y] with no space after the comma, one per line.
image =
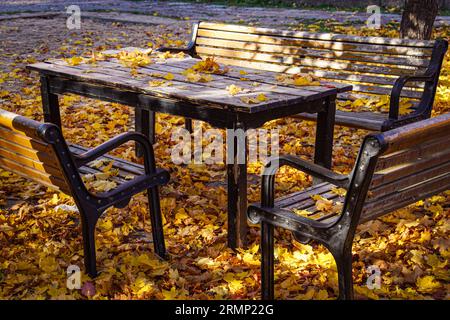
[198,11]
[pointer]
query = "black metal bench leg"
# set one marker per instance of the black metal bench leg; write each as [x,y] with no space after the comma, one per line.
[344,268]
[88,230]
[156,220]
[267,264]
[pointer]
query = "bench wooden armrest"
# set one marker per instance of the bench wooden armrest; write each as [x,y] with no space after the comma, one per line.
[315,170]
[188,50]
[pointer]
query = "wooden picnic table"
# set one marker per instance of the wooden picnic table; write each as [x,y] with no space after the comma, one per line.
[109,80]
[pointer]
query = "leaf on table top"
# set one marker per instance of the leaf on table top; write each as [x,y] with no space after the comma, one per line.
[156,83]
[233,89]
[193,76]
[209,65]
[134,59]
[169,76]
[299,79]
[74,61]
[169,55]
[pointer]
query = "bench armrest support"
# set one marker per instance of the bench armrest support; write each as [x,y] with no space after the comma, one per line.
[115,142]
[271,168]
[190,49]
[429,79]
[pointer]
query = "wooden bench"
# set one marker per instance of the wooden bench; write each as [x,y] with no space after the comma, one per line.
[394,169]
[39,152]
[399,68]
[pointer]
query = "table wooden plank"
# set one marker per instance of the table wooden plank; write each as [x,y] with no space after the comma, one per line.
[212,93]
[157,72]
[264,76]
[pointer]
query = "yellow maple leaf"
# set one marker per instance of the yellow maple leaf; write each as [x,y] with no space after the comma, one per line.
[169,76]
[250,259]
[303,213]
[427,284]
[74,61]
[156,83]
[105,225]
[193,76]
[234,89]
[322,204]
[254,100]
[48,264]
[261,97]
[339,191]
[170,295]
[141,285]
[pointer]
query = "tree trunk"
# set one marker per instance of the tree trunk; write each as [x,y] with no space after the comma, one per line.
[418,19]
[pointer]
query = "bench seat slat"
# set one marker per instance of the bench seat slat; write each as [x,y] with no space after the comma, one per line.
[302,201]
[363,120]
[302,195]
[126,166]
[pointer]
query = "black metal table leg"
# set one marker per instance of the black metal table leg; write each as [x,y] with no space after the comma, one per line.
[50,103]
[324,134]
[152,127]
[237,187]
[188,124]
[142,125]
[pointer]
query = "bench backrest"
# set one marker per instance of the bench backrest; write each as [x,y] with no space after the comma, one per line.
[370,64]
[399,167]
[25,151]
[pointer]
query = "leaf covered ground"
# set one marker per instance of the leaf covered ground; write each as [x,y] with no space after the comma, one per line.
[40,232]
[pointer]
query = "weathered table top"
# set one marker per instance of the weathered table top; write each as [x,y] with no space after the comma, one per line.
[167,78]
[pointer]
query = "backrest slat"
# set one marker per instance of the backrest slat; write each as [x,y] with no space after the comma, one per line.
[315,36]
[25,153]
[414,164]
[399,199]
[51,181]
[370,64]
